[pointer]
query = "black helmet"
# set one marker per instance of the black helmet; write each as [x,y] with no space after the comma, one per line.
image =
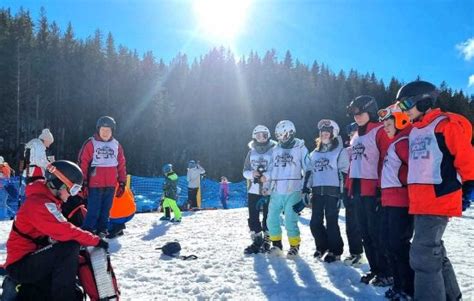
[106,121]
[361,104]
[418,93]
[64,172]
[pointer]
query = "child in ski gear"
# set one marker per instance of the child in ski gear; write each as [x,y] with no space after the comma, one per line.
[170,192]
[102,161]
[398,223]
[257,168]
[329,163]
[35,154]
[42,244]
[224,191]
[289,162]
[441,156]
[193,176]
[368,148]
[352,224]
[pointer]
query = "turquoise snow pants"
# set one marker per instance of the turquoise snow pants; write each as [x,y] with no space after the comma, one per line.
[284,203]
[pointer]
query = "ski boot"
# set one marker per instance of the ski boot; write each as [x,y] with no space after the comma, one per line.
[276,249]
[354,260]
[293,252]
[382,281]
[330,257]
[267,243]
[175,220]
[366,278]
[254,248]
[319,254]
[165,218]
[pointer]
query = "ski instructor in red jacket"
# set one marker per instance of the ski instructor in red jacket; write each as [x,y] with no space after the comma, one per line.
[42,243]
[103,164]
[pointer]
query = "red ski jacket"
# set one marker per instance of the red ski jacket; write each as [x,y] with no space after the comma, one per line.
[40,216]
[101,176]
[453,136]
[398,196]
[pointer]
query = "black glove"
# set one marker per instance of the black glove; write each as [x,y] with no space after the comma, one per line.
[298,207]
[120,189]
[306,190]
[103,244]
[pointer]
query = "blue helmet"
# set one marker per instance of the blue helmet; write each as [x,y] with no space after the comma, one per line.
[167,168]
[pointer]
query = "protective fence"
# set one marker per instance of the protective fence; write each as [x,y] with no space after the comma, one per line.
[147,192]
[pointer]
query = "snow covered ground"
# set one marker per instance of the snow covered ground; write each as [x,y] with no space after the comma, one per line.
[222,272]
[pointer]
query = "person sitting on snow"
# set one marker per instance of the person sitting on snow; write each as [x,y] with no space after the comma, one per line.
[43,245]
[170,194]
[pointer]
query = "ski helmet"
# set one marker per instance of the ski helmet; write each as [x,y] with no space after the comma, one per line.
[418,93]
[192,164]
[401,119]
[330,126]
[261,129]
[361,104]
[64,174]
[106,121]
[285,131]
[167,168]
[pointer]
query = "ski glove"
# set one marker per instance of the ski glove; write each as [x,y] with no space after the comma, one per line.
[103,244]
[298,207]
[306,190]
[120,189]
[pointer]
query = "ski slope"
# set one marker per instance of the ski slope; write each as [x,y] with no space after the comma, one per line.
[222,272]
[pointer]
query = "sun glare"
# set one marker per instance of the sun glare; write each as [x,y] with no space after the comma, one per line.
[221,20]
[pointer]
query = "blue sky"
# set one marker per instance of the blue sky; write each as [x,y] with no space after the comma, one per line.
[433,39]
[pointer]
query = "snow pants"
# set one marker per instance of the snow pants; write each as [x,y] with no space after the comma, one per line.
[352,227]
[254,212]
[434,275]
[399,233]
[170,203]
[284,203]
[55,265]
[327,238]
[99,202]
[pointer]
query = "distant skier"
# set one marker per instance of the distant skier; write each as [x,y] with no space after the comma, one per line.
[224,191]
[170,194]
[289,162]
[193,176]
[35,156]
[257,168]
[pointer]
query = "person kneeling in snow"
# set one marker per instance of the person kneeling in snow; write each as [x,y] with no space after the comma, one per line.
[43,245]
[170,194]
[290,160]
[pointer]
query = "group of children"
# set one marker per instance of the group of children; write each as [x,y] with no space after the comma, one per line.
[403,176]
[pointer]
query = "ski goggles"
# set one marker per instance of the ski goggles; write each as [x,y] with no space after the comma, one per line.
[261,137]
[325,123]
[384,114]
[74,190]
[71,187]
[406,103]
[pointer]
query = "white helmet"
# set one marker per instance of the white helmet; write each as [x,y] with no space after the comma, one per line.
[285,130]
[330,126]
[260,129]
